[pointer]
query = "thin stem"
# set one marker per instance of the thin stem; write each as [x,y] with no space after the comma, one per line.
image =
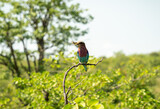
[64,80]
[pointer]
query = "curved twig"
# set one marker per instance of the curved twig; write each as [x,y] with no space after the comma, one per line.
[64,92]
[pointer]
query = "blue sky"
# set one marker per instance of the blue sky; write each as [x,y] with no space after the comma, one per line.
[131,26]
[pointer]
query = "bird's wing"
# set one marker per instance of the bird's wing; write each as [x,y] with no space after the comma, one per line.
[78,55]
[87,56]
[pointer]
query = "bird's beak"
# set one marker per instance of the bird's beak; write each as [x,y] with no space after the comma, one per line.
[75,43]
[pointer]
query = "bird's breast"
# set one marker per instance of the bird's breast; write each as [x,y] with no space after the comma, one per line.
[82,52]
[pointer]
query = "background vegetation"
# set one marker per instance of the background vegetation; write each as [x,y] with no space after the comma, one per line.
[117,82]
[31,76]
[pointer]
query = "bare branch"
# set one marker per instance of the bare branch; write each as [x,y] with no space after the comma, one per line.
[49,47]
[64,92]
[27,55]
[68,90]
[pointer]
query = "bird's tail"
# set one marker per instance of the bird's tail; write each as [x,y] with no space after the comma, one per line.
[85,67]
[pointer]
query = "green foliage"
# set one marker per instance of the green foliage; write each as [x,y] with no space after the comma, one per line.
[129,86]
[126,85]
[33,92]
[83,103]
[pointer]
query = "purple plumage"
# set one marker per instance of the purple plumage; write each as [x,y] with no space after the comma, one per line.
[82,51]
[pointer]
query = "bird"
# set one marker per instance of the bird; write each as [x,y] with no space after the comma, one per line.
[82,53]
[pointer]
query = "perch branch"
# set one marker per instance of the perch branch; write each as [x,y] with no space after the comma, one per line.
[68,90]
[64,92]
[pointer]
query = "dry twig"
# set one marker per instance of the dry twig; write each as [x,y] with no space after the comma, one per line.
[64,92]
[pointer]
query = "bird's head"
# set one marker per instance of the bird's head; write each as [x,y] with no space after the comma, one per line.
[79,43]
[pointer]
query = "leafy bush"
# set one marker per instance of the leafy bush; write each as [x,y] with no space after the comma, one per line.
[128,86]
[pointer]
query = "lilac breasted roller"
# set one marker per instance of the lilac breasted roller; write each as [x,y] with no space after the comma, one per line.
[82,53]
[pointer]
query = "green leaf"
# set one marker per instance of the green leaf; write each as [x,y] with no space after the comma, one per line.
[68,106]
[78,100]
[82,104]
[92,102]
[75,107]
[97,106]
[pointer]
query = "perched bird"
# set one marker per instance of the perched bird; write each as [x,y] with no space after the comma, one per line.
[82,53]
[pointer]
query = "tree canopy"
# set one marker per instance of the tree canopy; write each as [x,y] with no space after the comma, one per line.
[47,25]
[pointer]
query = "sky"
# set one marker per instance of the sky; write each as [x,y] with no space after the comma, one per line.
[130,26]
